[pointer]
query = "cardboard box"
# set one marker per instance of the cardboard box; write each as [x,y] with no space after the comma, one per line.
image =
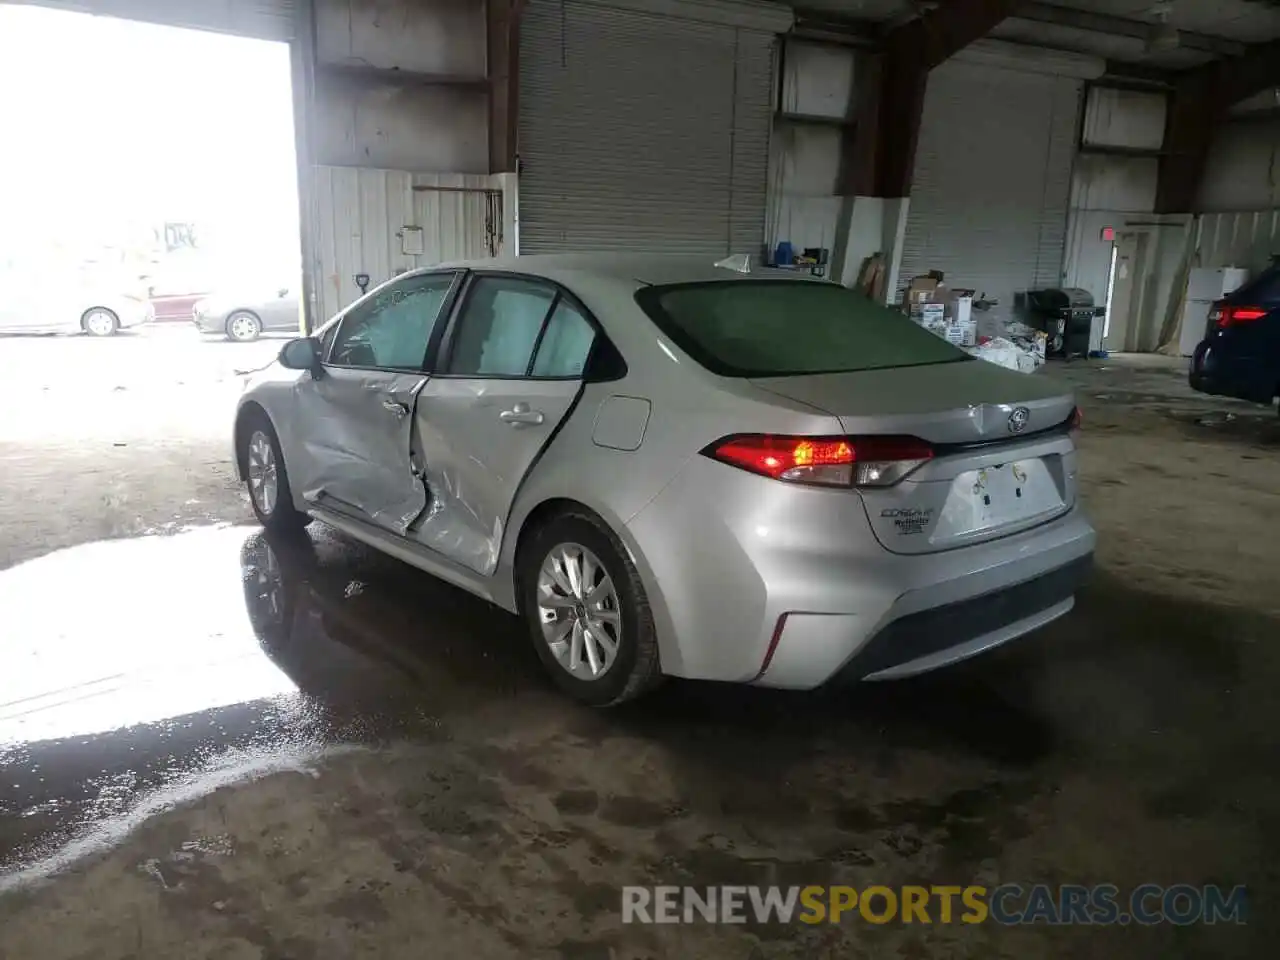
[963,334]
[921,290]
[928,312]
[960,309]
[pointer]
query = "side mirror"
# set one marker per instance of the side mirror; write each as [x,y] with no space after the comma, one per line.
[302,354]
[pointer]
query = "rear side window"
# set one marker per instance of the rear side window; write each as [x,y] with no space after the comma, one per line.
[566,344]
[766,328]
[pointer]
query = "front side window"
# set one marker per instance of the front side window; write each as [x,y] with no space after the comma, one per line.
[769,328]
[499,326]
[392,328]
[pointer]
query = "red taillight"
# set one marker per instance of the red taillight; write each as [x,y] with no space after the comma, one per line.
[830,461]
[1230,316]
[1077,418]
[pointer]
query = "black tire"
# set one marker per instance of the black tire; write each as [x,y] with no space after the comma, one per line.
[249,324]
[112,328]
[283,517]
[636,668]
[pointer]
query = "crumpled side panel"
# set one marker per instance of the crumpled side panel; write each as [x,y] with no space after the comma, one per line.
[451,523]
[360,453]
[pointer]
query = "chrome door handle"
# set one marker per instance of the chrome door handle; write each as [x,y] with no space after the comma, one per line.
[395,408]
[520,415]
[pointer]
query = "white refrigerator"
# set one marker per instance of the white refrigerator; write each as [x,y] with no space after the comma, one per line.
[1204,286]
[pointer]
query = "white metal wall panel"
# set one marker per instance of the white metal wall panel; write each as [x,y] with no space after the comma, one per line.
[361,213]
[641,132]
[1124,118]
[992,179]
[1239,239]
[265,19]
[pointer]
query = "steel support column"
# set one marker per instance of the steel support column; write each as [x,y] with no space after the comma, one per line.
[503,21]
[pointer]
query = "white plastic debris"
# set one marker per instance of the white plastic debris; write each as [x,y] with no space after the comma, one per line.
[1006,353]
[999,351]
[741,262]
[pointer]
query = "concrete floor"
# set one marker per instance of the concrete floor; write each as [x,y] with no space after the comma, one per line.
[212,745]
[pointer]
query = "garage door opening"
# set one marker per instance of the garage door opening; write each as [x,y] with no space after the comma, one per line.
[147,168]
[149,174]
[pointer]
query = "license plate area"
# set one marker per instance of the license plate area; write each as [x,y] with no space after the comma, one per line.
[995,498]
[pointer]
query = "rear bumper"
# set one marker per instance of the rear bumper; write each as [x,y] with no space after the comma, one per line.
[133,317]
[210,322]
[934,638]
[1220,387]
[1221,374]
[963,602]
[787,588]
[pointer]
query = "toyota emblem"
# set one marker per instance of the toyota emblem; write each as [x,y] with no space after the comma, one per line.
[1019,419]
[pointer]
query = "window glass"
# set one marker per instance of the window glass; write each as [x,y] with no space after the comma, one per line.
[743,328]
[326,338]
[391,329]
[566,344]
[499,327]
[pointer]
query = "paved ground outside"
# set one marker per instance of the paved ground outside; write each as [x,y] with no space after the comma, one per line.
[215,745]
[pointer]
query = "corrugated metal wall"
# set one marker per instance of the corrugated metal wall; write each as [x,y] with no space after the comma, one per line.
[1239,239]
[992,179]
[361,214]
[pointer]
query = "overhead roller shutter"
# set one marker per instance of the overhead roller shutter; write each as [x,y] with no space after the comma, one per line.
[641,131]
[992,179]
[265,19]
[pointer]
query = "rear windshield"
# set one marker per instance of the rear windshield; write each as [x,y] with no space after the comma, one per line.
[764,328]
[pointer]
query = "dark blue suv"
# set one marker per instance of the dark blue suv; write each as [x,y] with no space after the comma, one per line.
[1240,355]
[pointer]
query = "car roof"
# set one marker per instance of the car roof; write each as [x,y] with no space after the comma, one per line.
[635,268]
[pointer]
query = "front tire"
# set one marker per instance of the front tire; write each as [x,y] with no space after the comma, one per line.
[243,326]
[266,478]
[100,322]
[587,611]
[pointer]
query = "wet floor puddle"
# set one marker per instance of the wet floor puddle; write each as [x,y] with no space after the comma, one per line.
[135,666]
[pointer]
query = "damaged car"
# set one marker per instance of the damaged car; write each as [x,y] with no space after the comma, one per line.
[673,467]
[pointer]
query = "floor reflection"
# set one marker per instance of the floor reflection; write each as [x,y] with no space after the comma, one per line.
[132,665]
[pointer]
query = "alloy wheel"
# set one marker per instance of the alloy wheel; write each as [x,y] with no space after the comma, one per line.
[263,483]
[243,327]
[100,323]
[579,611]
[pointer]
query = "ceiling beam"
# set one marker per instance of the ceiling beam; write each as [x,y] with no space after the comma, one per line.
[948,28]
[1122,26]
[879,159]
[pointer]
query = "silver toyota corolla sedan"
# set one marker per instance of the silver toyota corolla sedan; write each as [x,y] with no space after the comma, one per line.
[669,467]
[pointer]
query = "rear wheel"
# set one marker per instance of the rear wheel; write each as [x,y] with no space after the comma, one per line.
[100,322]
[243,326]
[587,611]
[266,478]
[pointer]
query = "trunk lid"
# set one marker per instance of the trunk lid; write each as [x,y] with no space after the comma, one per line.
[1003,460]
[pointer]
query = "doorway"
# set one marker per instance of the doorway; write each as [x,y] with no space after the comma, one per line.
[148,181]
[1125,299]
